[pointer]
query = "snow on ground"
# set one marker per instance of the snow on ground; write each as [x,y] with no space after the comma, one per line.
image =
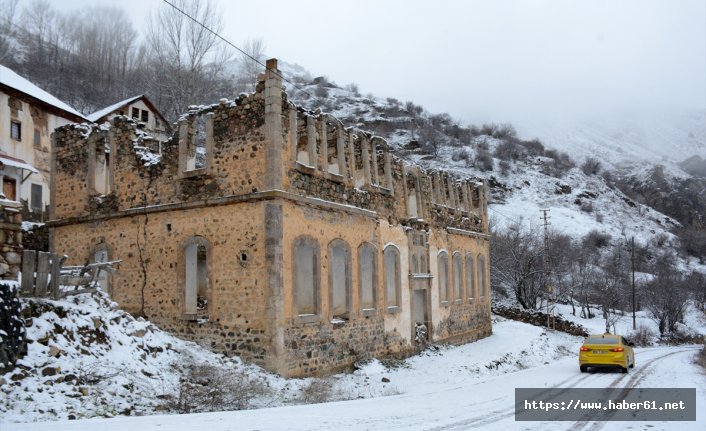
[442,401]
[134,365]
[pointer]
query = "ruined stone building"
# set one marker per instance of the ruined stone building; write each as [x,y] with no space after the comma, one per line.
[28,115]
[270,232]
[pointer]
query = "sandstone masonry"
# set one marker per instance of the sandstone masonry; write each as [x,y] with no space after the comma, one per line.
[270,232]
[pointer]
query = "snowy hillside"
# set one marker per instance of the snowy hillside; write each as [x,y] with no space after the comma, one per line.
[578,203]
[627,141]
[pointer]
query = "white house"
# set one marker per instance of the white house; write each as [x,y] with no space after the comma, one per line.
[142,110]
[28,116]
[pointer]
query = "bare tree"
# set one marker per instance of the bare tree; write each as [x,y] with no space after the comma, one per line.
[517,264]
[187,59]
[666,295]
[248,63]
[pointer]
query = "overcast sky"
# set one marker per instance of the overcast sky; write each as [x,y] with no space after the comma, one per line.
[492,60]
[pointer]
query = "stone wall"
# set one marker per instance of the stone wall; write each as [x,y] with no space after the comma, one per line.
[246,179]
[12,335]
[10,239]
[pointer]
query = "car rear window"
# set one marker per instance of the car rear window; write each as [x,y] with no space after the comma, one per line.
[601,340]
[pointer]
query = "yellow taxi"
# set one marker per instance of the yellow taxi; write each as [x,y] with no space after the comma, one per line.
[606,350]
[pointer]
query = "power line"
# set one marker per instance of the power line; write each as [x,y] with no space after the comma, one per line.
[506,216]
[233,45]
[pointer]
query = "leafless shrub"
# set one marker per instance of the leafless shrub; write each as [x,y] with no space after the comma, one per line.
[504,166]
[534,147]
[461,154]
[498,131]
[509,150]
[483,160]
[587,207]
[591,166]
[321,92]
[642,336]
[701,357]
[560,164]
[319,390]
[353,88]
[596,239]
[95,373]
[206,388]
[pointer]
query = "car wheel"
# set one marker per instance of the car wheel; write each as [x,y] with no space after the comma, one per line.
[583,368]
[633,363]
[624,370]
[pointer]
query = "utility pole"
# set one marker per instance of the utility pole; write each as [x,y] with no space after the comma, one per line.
[632,258]
[547,269]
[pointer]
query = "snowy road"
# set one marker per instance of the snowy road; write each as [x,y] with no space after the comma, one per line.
[486,404]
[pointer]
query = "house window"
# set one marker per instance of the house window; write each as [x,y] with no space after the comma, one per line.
[36,203]
[367,276]
[37,138]
[470,279]
[16,130]
[145,116]
[391,257]
[443,278]
[135,113]
[196,252]
[305,266]
[482,281]
[339,256]
[458,277]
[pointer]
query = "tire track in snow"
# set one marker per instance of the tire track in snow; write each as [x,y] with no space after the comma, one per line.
[634,380]
[503,413]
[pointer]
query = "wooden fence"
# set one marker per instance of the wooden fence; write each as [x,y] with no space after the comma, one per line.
[44,276]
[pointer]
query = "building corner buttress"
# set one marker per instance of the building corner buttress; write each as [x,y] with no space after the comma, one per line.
[273,124]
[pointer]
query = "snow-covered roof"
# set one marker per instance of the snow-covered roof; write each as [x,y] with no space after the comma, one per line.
[10,79]
[17,163]
[107,110]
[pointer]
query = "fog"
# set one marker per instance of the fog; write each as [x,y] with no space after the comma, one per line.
[526,62]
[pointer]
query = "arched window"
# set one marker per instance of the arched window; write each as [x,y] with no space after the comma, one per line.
[482,277]
[443,278]
[196,253]
[367,277]
[458,277]
[339,279]
[391,257]
[305,266]
[470,279]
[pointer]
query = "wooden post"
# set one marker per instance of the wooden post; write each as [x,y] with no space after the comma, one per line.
[43,270]
[56,263]
[29,265]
